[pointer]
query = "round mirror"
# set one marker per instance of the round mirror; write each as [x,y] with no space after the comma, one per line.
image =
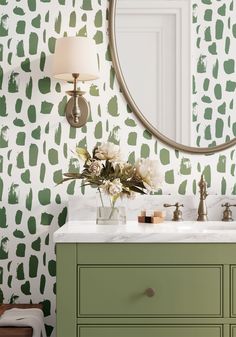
[175,63]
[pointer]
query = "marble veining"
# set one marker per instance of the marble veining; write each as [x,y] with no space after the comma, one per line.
[84,208]
[133,232]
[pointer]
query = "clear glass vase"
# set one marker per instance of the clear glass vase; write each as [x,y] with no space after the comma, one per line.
[109,214]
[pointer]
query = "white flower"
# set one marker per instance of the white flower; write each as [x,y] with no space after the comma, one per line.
[149,172]
[122,167]
[95,167]
[127,169]
[113,187]
[108,151]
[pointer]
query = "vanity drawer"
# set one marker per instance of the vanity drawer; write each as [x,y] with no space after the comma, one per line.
[151,331]
[187,291]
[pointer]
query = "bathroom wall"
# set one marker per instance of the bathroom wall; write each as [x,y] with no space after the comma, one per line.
[37,143]
[214,85]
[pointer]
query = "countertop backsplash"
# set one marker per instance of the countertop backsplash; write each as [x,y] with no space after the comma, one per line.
[84,207]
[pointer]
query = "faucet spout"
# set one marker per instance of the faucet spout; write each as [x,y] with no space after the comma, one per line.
[202,208]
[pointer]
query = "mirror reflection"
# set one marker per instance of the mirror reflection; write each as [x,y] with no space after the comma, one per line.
[178,62]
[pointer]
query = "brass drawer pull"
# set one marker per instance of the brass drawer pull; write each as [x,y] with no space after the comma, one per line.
[150,292]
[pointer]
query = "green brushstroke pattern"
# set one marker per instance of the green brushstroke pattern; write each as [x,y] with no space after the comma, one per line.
[36,141]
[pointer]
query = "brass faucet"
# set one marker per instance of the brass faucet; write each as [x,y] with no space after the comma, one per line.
[202,208]
[227,214]
[177,215]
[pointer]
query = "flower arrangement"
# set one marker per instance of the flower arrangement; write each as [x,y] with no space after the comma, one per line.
[106,170]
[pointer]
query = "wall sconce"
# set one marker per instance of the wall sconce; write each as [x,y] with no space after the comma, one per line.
[75,59]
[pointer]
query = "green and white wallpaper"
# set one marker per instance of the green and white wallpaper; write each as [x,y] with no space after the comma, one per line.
[214,81]
[36,142]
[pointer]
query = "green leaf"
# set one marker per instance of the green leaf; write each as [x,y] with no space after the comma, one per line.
[64,180]
[83,153]
[73,175]
[136,189]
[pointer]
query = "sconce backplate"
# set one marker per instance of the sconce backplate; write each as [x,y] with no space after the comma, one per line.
[84,111]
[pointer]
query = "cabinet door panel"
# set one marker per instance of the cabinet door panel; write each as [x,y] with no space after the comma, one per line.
[233,330]
[188,291]
[151,331]
[233,291]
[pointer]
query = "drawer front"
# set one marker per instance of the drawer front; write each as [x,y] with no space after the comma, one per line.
[151,331]
[187,291]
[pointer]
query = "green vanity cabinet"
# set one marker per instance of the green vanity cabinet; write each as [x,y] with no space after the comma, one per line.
[146,289]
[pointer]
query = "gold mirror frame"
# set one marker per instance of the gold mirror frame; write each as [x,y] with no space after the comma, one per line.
[123,86]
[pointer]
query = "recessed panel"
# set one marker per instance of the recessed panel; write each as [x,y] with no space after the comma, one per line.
[177,291]
[152,331]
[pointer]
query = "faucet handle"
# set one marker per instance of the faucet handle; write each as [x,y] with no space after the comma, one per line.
[177,205]
[177,214]
[227,214]
[227,205]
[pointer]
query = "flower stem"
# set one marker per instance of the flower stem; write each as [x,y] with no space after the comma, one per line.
[101,197]
[112,207]
[111,202]
[112,211]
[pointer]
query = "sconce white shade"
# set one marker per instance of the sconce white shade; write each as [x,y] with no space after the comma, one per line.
[75,55]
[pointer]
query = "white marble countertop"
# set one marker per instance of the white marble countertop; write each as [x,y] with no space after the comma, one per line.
[133,232]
